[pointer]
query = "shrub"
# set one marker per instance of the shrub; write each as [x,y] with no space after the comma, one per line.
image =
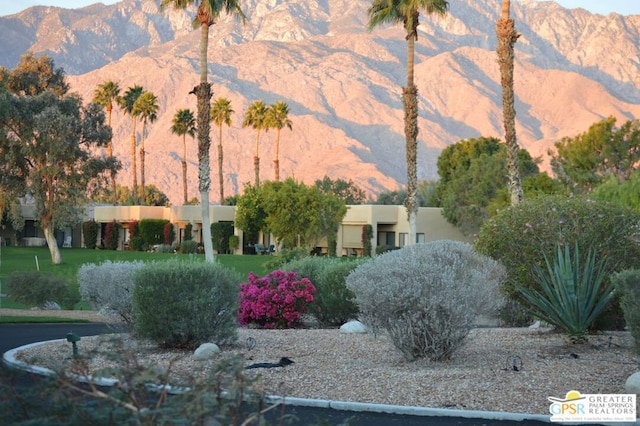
[180,304]
[168,234]
[367,235]
[137,244]
[519,237]
[333,303]
[572,297]
[112,235]
[108,286]
[277,300]
[234,243]
[285,256]
[90,229]
[426,296]
[164,248]
[188,247]
[385,248]
[220,233]
[188,232]
[34,288]
[628,284]
[152,230]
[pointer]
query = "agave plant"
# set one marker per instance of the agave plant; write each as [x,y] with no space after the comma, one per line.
[572,296]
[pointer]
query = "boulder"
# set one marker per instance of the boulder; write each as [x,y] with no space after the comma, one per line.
[632,385]
[206,351]
[353,327]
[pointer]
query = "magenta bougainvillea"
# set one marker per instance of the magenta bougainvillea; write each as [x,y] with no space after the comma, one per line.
[277,300]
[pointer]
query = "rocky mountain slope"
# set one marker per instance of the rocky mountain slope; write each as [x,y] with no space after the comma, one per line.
[341,81]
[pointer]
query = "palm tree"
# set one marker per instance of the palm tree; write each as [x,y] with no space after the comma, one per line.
[208,13]
[184,123]
[407,12]
[105,95]
[256,117]
[221,114]
[126,103]
[278,118]
[146,107]
[507,36]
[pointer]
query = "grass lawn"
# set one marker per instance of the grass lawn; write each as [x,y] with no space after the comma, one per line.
[31,320]
[14,259]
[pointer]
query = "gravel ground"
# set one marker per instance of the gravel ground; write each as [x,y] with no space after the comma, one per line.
[367,368]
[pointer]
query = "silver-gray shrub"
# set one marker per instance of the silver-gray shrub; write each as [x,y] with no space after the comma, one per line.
[427,296]
[107,287]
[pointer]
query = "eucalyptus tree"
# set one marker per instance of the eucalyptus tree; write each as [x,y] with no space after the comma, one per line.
[184,123]
[127,102]
[49,145]
[256,117]
[407,12]
[105,95]
[146,108]
[278,118]
[221,114]
[208,13]
[507,36]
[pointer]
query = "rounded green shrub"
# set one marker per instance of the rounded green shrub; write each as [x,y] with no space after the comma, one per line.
[627,283]
[188,247]
[182,304]
[427,296]
[520,237]
[333,302]
[34,288]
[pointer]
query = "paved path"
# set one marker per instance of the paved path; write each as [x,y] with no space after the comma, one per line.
[14,335]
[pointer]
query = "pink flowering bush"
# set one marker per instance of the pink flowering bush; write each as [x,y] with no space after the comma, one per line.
[277,300]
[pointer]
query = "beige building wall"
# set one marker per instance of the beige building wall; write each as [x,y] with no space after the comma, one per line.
[389,223]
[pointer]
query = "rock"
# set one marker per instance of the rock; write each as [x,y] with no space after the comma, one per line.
[535,326]
[632,385]
[353,327]
[206,351]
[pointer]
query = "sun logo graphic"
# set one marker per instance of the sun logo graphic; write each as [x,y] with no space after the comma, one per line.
[577,407]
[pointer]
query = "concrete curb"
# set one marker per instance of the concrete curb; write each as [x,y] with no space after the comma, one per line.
[9,359]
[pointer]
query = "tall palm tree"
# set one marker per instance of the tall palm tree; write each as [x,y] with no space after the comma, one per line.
[127,101]
[507,37]
[221,114]
[407,12]
[208,13]
[278,118]
[184,123]
[256,117]
[105,95]
[145,108]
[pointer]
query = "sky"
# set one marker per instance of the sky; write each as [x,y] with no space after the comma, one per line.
[623,7]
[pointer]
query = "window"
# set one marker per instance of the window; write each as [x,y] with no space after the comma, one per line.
[420,238]
[403,239]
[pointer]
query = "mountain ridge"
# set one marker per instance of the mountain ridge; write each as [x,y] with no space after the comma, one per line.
[341,82]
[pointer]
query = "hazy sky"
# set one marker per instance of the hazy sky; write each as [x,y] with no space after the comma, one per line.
[624,7]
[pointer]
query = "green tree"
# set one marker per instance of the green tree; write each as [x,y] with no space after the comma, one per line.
[48,144]
[250,215]
[348,191]
[507,36]
[184,123]
[145,107]
[221,114]
[624,193]
[125,196]
[407,12]
[256,117]
[278,118]
[105,95]
[127,103]
[208,13]
[471,178]
[604,151]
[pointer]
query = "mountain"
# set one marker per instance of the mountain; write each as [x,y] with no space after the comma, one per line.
[341,81]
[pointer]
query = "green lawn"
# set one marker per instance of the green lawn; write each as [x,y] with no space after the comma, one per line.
[31,258]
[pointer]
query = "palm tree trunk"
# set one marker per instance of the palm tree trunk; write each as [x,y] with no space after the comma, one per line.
[256,160]
[410,101]
[184,168]
[276,161]
[220,176]
[134,170]
[507,36]
[142,182]
[203,94]
[110,154]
